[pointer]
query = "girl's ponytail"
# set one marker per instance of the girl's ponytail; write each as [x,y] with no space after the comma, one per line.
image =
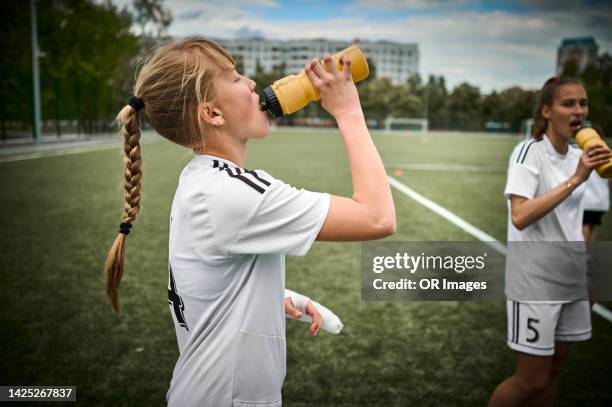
[129,123]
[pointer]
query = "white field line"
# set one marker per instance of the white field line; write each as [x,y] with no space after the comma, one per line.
[86,148]
[449,216]
[446,167]
[603,311]
[59,152]
[471,229]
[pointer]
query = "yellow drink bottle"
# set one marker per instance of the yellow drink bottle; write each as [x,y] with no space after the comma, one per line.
[293,92]
[587,136]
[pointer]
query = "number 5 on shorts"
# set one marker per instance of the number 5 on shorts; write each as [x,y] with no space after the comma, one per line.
[530,327]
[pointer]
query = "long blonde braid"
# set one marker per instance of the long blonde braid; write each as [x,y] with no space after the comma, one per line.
[129,122]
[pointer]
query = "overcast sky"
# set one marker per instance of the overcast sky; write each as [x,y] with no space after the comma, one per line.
[493,44]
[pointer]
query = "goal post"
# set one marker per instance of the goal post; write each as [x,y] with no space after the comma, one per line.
[406,125]
[526,128]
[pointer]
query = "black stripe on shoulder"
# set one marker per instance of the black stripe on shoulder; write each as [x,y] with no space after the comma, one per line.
[521,152]
[254,174]
[239,174]
[218,165]
[527,150]
[242,178]
[527,144]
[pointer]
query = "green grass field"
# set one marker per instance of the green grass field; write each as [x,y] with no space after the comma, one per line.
[60,216]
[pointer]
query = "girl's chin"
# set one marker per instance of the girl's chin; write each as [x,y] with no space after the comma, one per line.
[263,133]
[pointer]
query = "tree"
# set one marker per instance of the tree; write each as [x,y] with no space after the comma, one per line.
[152,12]
[435,102]
[16,66]
[465,107]
[376,99]
[415,85]
[85,47]
[597,79]
[404,102]
[492,107]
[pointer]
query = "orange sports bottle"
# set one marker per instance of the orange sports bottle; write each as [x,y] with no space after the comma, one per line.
[293,92]
[587,136]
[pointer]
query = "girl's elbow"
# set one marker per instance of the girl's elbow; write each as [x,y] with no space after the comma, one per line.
[518,223]
[385,227]
[391,226]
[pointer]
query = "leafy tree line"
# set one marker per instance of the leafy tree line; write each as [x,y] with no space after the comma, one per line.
[464,107]
[87,58]
[89,54]
[597,80]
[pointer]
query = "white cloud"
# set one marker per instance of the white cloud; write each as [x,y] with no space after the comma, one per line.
[390,5]
[492,50]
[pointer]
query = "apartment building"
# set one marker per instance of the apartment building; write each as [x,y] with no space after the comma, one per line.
[396,61]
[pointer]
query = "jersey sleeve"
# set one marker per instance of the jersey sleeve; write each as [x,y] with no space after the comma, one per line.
[523,172]
[283,220]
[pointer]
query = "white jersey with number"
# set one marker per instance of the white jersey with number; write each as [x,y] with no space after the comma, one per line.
[230,230]
[537,270]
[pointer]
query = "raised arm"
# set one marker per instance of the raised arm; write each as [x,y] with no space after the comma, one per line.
[527,211]
[369,213]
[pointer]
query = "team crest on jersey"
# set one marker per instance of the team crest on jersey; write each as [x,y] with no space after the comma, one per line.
[175,301]
[254,180]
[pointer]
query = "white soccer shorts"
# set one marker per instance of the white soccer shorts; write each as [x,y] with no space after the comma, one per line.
[534,327]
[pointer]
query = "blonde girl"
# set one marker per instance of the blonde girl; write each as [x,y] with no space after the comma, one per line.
[231,227]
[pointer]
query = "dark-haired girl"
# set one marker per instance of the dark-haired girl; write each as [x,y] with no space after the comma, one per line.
[547,308]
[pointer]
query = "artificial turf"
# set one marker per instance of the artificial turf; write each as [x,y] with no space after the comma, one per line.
[60,214]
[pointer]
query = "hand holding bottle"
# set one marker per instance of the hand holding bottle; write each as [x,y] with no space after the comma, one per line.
[338,92]
[594,156]
[293,92]
[587,138]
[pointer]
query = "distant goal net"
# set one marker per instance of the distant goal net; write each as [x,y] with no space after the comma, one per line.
[526,128]
[406,125]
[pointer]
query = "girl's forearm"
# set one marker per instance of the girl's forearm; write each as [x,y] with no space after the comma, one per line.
[369,178]
[531,210]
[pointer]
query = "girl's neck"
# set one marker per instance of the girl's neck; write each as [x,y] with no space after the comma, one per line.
[235,153]
[559,143]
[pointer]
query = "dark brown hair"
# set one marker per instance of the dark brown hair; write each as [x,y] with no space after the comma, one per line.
[546,98]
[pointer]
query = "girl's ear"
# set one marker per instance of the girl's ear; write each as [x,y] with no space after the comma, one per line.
[546,112]
[211,115]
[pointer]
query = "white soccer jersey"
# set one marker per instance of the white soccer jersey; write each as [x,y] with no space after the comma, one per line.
[230,229]
[535,168]
[597,193]
[540,271]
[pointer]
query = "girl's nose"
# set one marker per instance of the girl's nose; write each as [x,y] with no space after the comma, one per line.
[579,109]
